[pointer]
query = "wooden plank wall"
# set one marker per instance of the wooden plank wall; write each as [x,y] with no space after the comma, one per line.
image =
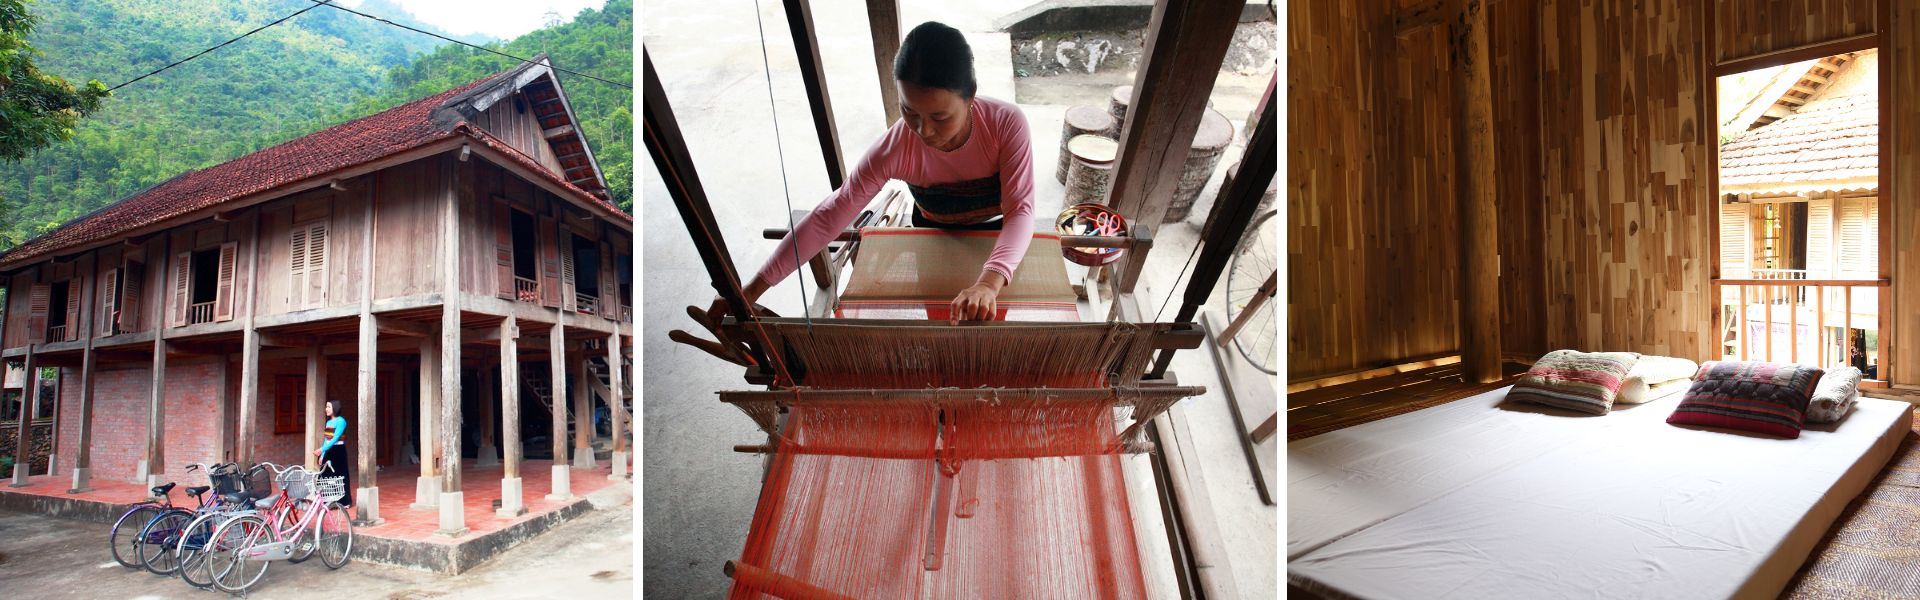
[1628,227]
[1373,255]
[1744,28]
[1900,223]
[509,121]
[407,227]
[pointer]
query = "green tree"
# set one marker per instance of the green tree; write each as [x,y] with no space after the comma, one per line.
[36,108]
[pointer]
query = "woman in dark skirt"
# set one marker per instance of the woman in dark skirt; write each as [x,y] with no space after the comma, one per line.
[333,451]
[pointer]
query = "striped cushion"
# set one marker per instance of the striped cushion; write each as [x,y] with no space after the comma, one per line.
[1582,381]
[1767,398]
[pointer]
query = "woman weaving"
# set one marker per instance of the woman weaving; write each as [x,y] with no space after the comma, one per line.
[966,159]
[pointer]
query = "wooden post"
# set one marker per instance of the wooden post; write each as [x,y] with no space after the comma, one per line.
[366,428]
[1479,221]
[427,488]
[249,395]
[157,411]
[316,388]
[22,443]
[1187,40]
[83,455]
[222,414]
[512,503]
[557,399]
[807,49]
[488,454]
[453,521]
[883,17]
[616,404]
[582,418]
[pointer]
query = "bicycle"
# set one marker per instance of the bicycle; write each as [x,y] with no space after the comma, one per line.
[138,515]
[236,493]
[159,536]
[241,549]
[1251,285]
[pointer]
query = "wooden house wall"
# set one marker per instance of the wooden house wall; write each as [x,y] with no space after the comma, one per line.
[407,219]
[1744,28]
[1628,210]
[16,324]
[1513,46]
[1900,223]
[512,121]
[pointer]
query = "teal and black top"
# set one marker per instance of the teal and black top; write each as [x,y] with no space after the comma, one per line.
[336,428]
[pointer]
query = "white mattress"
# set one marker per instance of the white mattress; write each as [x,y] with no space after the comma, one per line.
[1618,506]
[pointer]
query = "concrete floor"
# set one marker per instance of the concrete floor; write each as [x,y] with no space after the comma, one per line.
[699,495]
[589,557]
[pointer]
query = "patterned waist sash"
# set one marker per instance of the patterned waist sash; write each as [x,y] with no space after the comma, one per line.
[959,203]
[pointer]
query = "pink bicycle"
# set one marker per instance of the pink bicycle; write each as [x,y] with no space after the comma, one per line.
[241,549]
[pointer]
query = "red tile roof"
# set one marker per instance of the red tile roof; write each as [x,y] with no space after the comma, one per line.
[329,150]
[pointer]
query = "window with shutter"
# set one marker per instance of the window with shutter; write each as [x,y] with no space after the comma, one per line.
[1859,246]
[549,263]
[503,248]
[38,296]
[297,266]
[223,294]
[133,279]
[109,301]
[183,272]
[72,329]
[317,265]
[1820,239]
[1736,259]
[609,289]
[568,281]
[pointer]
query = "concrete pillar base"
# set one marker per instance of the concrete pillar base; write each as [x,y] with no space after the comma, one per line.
[619,461]
[489,457]
[562,484]
[140,471]
[583,458]
[153,481]
[80,480]
[366,506]
[426,494]
[512,503]
[19,475]
[453,514]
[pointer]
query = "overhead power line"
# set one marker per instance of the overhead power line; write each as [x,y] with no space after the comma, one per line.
[317,4]
[474,46]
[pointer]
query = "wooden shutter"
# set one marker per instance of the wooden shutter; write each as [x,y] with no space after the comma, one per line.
[1820,238]
[568,281]
[132,278]
[297,266]
[1736,247]
[549,263]
[223,292]
[1859,238]
[503,248]
[38,296]
[109,301]
[609,286]
[316,292]
[73,309]
[183,271]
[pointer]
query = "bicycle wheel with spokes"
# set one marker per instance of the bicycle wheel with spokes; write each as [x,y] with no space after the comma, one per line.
[227,553]
[336,536]
[124,540]
[304,545]
[192,548]
[158,538]
[1253,266]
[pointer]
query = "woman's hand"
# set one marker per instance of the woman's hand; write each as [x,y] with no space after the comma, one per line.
[976,303]
[316,452]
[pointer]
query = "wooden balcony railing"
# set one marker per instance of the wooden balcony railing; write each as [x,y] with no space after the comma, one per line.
[199,313]
[626,313]
[1767,316]
[57,333]
[587,304]
[526,290]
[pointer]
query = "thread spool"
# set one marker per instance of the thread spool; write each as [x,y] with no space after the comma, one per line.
[1117,108]
[1209,140]
[1080,120]
[1092,170]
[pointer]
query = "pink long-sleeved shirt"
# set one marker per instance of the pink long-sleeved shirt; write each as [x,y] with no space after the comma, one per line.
[998,144]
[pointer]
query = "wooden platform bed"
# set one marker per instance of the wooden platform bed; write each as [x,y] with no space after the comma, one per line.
[1480,498]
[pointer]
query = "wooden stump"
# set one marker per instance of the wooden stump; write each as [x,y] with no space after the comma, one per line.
[1209,141]
[1080,120]
[1117,108]
[1091,171]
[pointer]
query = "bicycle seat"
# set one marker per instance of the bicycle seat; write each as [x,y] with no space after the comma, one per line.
[197,490]
[162,490]
[267,502]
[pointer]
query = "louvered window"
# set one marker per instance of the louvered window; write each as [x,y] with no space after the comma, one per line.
[307,282]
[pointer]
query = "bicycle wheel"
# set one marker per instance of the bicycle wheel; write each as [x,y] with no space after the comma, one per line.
[336,536]
[226,557]
[194,542]
[158,538]
[1253,264]
[304,546]
[124,540]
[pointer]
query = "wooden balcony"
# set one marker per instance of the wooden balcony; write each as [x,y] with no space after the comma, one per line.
[57,333]
[1782,315]
[199,313]
[587,304]
[526,290]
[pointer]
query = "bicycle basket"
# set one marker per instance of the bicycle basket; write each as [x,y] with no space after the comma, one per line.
[226,481]
[258,483]
[297,483]
[331,489]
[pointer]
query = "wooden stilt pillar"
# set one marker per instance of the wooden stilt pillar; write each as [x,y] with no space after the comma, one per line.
[582,418]
[83,452]
[616,405]
[512,502]
[222,415]
[1474,158]
[249,396]
[426,491]
[316,413]
[23,442]
[557,361]
[154,467]
[453,519]
[366,428]
[883,17]
[489,451]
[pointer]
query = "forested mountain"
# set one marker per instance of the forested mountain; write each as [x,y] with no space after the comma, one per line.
[318,69]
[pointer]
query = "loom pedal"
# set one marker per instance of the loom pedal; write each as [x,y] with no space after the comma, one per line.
[937,528]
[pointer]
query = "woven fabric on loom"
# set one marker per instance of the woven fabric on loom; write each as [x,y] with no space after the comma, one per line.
[946,494]
[914,273]
[851,354]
